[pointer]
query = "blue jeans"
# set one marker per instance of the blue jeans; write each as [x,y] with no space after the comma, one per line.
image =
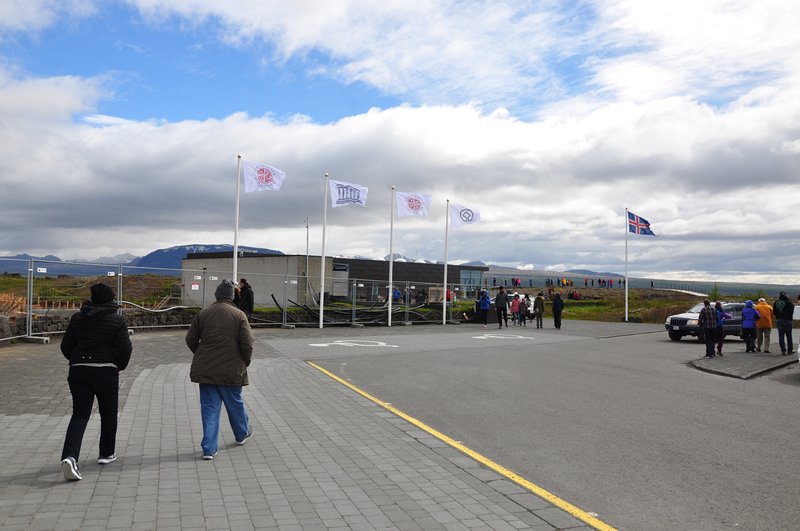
[211,399]
[785,331]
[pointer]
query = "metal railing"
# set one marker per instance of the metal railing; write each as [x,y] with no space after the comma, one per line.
[38,297]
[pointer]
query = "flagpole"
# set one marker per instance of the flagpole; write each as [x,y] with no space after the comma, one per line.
[626,264]
[446,235]
[322,257]
[391,255]
[236,215]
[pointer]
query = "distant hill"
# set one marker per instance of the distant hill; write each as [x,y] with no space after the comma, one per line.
[172,256]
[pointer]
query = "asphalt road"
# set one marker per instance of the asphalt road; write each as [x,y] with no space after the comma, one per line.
[609,417]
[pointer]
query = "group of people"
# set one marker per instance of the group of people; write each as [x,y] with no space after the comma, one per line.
[98,347]
[757,323]
[522,308]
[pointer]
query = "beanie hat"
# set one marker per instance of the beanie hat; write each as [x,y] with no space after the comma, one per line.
[225,290]
[101,293]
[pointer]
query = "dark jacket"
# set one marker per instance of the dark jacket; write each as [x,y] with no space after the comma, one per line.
[222,343]
[538,305]
[97,334]
[558,304]
[501,299]
[783,308]
[247,299]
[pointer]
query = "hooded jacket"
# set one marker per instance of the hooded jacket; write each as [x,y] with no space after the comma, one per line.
[766,317]
[97,334]
[749,315]
[783,308]
[222,343]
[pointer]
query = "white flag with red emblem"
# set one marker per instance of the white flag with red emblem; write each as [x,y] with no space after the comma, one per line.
[259,177]
[411,204]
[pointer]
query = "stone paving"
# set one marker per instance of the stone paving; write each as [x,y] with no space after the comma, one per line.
[744,364]
[322,457]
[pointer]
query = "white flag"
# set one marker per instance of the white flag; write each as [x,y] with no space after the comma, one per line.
[461,215]
[260,177]
[343,193]
[410,204]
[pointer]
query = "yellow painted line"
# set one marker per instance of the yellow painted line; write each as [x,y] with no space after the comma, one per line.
[539,491]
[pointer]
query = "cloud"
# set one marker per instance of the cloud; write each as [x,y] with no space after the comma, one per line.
[36,15]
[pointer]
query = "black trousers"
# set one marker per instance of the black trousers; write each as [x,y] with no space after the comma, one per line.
[85,383]
[502,316]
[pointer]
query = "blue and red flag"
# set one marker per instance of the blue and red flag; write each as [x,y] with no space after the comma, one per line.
[639,225]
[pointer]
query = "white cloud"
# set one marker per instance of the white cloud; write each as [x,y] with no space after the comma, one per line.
[36,15]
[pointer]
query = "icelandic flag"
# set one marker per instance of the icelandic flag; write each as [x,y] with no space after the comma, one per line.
[259,177]
[639,225]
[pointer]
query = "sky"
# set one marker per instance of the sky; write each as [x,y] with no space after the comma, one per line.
[121,122]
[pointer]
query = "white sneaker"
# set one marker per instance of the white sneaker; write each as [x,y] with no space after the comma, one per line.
[106,460]
[207,457]
[70,469]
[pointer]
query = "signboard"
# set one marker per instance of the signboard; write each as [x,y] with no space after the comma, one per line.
[212,278]
[41,270]
[198,277]
[195,286]
[111,274]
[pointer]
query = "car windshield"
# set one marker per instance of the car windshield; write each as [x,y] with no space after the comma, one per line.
[696,308]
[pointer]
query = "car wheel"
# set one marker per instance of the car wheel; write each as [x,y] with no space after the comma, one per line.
[675,336]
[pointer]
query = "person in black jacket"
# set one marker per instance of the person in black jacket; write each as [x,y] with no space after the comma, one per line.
[783,309]
[247,299]
[558,307]
[98,347]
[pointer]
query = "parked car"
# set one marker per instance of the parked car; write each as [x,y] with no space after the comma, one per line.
[687,324]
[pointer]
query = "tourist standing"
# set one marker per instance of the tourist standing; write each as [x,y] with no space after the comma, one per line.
[749,318]
[484,303]
[764,325]
[501,306]
[98,347]
[222,343]
[558,307]
[783,309]
[522,311]
[538,309]
[721,316]
[515,309]
[708,324]
[247,301]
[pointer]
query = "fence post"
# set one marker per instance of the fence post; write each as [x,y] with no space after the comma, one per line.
[408,298]
[353,301]
[29,309]
[119,288]
[285,295]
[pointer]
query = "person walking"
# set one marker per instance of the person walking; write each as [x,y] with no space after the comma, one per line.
[558,307]
[538,309]
[721,316]
[247,298]
[501,306]
[515,309]
[522,311]
[708,324]
[222,343]
[783,309]
[763,325]
[98,347]
[484,304]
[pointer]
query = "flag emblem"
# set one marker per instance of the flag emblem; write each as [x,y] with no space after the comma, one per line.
[264,176]
[461,215]
[639,225]
[466,215]
[260,177]
[343,193]
[412,204]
